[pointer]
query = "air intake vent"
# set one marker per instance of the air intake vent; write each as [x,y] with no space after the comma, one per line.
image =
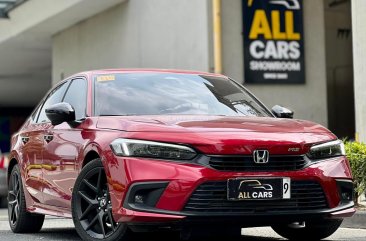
[211,198]
[246,163]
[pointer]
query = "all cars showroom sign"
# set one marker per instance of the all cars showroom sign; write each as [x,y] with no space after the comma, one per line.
[273,41]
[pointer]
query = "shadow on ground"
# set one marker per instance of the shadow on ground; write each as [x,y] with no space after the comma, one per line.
[70,234]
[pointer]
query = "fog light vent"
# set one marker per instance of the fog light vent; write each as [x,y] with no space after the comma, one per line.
[144,195]
[345,189]
[139,199]
[346,196]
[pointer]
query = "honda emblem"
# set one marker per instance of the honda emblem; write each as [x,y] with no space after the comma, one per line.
[261,156]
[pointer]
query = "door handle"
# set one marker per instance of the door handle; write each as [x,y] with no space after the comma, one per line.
[48,138]
[24,139]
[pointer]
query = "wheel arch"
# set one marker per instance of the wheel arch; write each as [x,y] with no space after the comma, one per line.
[92,152]
[11,165]
[90,155]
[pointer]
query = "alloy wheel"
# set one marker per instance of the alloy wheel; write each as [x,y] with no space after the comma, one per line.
[14,198]
[93,205]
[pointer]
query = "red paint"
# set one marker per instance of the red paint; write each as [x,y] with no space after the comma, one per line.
[2,162]
[49,169]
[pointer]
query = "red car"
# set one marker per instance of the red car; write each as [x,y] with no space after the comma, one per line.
[124,151]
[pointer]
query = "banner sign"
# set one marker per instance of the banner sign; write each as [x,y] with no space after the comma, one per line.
[273,41]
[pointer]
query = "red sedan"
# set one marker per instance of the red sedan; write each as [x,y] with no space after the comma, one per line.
[124,151]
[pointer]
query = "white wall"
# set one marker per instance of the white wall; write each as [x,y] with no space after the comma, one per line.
[177,34]
[359,58]
[309,101]
[138,33]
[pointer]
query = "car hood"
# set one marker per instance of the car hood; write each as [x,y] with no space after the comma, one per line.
[223,135]
[208,124]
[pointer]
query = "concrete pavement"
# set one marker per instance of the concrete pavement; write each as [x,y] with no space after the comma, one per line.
[63,229]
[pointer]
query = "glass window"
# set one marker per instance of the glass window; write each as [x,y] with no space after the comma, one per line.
[53,98]
[173,94]
[35,112]
[76,96]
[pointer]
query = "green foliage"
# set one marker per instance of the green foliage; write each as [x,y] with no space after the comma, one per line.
[356,154]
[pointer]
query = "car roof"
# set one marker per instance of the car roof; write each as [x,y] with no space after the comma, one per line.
[173,71]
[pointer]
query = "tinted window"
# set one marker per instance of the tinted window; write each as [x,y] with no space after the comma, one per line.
[53,98]
[164,94]
[35,112]
[76,96]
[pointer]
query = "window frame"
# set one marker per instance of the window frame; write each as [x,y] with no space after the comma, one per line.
[43,101]
[85,114]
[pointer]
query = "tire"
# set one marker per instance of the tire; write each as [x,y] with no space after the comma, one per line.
[316,230]
[20,220]
[91,207]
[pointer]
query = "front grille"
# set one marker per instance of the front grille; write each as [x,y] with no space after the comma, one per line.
[246,163]
[211,198]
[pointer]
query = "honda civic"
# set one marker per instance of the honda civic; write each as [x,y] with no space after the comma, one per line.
[128,151]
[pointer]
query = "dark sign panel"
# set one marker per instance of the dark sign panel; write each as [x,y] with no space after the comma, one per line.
[273,41]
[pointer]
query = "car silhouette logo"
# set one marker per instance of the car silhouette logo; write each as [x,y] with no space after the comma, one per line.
[261,156]
[255,184]
[289,4]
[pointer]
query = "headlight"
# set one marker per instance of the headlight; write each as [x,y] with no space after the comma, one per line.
[326,150]
[151,149]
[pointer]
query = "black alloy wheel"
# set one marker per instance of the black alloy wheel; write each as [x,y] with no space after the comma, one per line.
[14,198]
[92,208]
[20,220]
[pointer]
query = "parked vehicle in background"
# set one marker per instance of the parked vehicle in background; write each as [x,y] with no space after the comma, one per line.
[123,151]
[3,181]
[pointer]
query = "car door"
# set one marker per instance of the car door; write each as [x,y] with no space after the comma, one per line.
[32,144]
[63,147]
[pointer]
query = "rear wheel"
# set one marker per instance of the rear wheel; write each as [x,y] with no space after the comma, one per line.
[19,219]
[92,208]
[316,230]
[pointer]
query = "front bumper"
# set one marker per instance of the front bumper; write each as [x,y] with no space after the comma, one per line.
[176,182]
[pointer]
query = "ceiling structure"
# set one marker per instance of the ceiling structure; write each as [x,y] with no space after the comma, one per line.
[26,44]
[7,5]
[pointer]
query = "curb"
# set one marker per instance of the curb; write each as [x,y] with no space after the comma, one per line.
[357,221]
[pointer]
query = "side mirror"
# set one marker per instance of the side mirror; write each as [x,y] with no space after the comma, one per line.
[61,112]
[282,112]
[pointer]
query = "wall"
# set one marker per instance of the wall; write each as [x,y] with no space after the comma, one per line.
[309,101]
[359,57]
[138,33]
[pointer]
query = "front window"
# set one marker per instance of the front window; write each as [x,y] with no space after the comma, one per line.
[172,94]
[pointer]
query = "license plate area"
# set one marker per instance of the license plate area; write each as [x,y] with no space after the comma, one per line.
[240,189]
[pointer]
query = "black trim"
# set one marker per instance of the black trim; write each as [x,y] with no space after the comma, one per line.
[41,104]
[253,220]
[324,212]
[345,186]
[86,103]
[152,191]
[245,163]
[69,80]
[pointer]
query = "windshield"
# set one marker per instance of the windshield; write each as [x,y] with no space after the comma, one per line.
[172,94]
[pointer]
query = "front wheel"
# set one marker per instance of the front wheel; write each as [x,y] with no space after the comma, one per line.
[92,208]
[316,230]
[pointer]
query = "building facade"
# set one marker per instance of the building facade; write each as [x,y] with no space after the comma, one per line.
[65,37]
